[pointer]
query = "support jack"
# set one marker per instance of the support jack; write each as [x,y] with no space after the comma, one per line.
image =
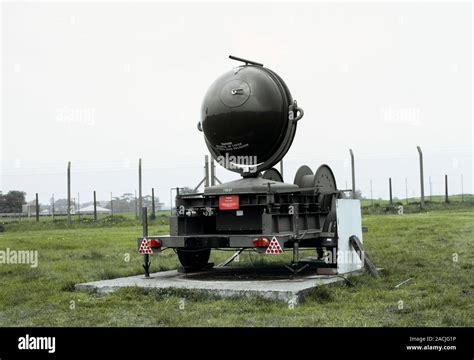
[146,265]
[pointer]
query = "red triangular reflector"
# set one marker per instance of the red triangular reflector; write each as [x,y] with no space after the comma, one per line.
[144,248]
[274,247]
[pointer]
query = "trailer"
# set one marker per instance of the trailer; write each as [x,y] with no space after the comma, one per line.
[249,121]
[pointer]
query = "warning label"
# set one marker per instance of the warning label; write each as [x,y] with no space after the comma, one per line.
[229,202]
[229,146]
[274,247]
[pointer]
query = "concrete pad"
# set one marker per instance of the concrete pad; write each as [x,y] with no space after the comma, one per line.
[268,283]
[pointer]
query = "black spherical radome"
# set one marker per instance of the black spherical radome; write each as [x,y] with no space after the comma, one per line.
[245,114]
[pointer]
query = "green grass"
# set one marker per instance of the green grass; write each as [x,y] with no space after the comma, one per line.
[420,246]
[412,205]
[437,199]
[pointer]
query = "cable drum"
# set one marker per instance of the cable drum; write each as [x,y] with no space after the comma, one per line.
[322,182]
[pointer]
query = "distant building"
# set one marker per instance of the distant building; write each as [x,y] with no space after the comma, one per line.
[29,208]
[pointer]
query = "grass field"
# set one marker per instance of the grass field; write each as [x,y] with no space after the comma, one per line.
[436,199]
[433,248]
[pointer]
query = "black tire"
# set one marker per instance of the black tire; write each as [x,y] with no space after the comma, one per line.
[330,223]
[195,259]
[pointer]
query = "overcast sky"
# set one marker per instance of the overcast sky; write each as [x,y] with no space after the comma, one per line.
[102,84]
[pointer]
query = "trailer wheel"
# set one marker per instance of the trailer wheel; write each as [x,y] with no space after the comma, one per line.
[194,259]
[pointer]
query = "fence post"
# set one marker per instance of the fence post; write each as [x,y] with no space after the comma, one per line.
[390,190]
[446,189]
[135,203]
[69,193]
[37,208]
[206,171]
[78,206]
[212,176]
[52,208]
[95,208]
[353,174]
[422,185]
[153,215]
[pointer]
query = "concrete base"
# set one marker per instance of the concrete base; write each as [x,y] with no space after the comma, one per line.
[275,283]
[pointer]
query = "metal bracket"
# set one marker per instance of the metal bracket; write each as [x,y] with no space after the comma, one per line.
[245,60]
[368,263]
[295,113]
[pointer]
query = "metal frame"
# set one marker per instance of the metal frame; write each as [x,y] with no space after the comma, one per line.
[299,229]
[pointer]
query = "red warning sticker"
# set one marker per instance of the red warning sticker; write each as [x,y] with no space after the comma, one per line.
[274,247]
[145,248]
[229,202]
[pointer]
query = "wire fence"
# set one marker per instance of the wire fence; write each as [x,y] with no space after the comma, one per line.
[110,181]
